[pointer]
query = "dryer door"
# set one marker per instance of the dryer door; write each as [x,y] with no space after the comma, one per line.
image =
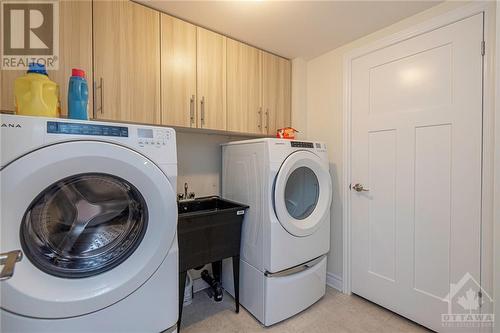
[94,221]
[302,193]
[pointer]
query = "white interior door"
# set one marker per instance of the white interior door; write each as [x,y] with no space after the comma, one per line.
[416,146]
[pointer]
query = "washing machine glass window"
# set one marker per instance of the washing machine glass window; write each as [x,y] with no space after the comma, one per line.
[84,225]
[301,193]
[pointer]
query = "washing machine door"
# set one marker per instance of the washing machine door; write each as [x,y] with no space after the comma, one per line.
[302,193]
[94,221]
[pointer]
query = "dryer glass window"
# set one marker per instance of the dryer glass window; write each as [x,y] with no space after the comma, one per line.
[84,225]
[301,193]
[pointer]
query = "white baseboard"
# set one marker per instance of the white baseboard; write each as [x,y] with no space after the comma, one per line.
[334,281]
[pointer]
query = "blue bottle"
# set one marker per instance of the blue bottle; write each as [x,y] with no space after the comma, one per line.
[78,95]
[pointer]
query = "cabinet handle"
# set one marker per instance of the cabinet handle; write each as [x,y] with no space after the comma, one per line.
[102,95]
[259,124]
[94,100]
[202,104]
[267,120]
[191,109]
[100,108]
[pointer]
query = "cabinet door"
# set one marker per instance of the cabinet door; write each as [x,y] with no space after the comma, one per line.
[211,79]
[244,111]
[178,72]
[75,51]
[126,62]
[276,90]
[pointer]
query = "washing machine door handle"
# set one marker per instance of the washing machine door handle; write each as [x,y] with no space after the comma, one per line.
[9,260]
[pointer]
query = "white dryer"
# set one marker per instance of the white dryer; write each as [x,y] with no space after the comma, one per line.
[88,225]
[286,231]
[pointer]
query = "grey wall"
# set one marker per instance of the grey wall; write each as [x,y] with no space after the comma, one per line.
[199,162]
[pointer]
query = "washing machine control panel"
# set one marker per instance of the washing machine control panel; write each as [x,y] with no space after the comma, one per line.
[146,137]
[152,136]
[56,127]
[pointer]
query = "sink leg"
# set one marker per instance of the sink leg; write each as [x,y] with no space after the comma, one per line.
[217,270]
[236,278]
[182,286]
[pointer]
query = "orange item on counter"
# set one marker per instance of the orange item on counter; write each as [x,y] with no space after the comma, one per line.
[286,133]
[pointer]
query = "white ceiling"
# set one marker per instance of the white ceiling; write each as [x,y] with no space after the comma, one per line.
[293,28]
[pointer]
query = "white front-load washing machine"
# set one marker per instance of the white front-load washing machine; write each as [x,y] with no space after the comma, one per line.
[88,226]
[286,231]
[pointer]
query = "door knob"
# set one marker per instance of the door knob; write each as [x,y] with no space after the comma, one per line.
[359,188]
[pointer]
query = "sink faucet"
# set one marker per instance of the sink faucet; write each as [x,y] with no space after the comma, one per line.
[185,195]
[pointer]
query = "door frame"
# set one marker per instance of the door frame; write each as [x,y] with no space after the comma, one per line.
[496,275]
[488,165]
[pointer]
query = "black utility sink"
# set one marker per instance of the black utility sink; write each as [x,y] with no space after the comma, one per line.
[209,230]
[207,205]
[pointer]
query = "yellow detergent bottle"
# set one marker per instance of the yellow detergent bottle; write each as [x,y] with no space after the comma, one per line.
[35,94]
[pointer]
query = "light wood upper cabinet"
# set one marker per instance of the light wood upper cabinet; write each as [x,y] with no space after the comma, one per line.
[276,91]
[244,102]
[126,61]
[148,67]
[75,51]
[178,72]
[7,78]
[211,79]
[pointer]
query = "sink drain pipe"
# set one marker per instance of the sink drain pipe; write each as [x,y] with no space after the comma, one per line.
[215,286]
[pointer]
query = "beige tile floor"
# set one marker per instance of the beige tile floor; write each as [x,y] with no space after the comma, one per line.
[335,312]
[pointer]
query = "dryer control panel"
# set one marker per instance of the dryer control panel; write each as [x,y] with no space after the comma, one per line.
[309,145]
[300,144]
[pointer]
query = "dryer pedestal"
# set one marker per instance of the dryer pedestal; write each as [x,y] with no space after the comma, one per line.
[272,298]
